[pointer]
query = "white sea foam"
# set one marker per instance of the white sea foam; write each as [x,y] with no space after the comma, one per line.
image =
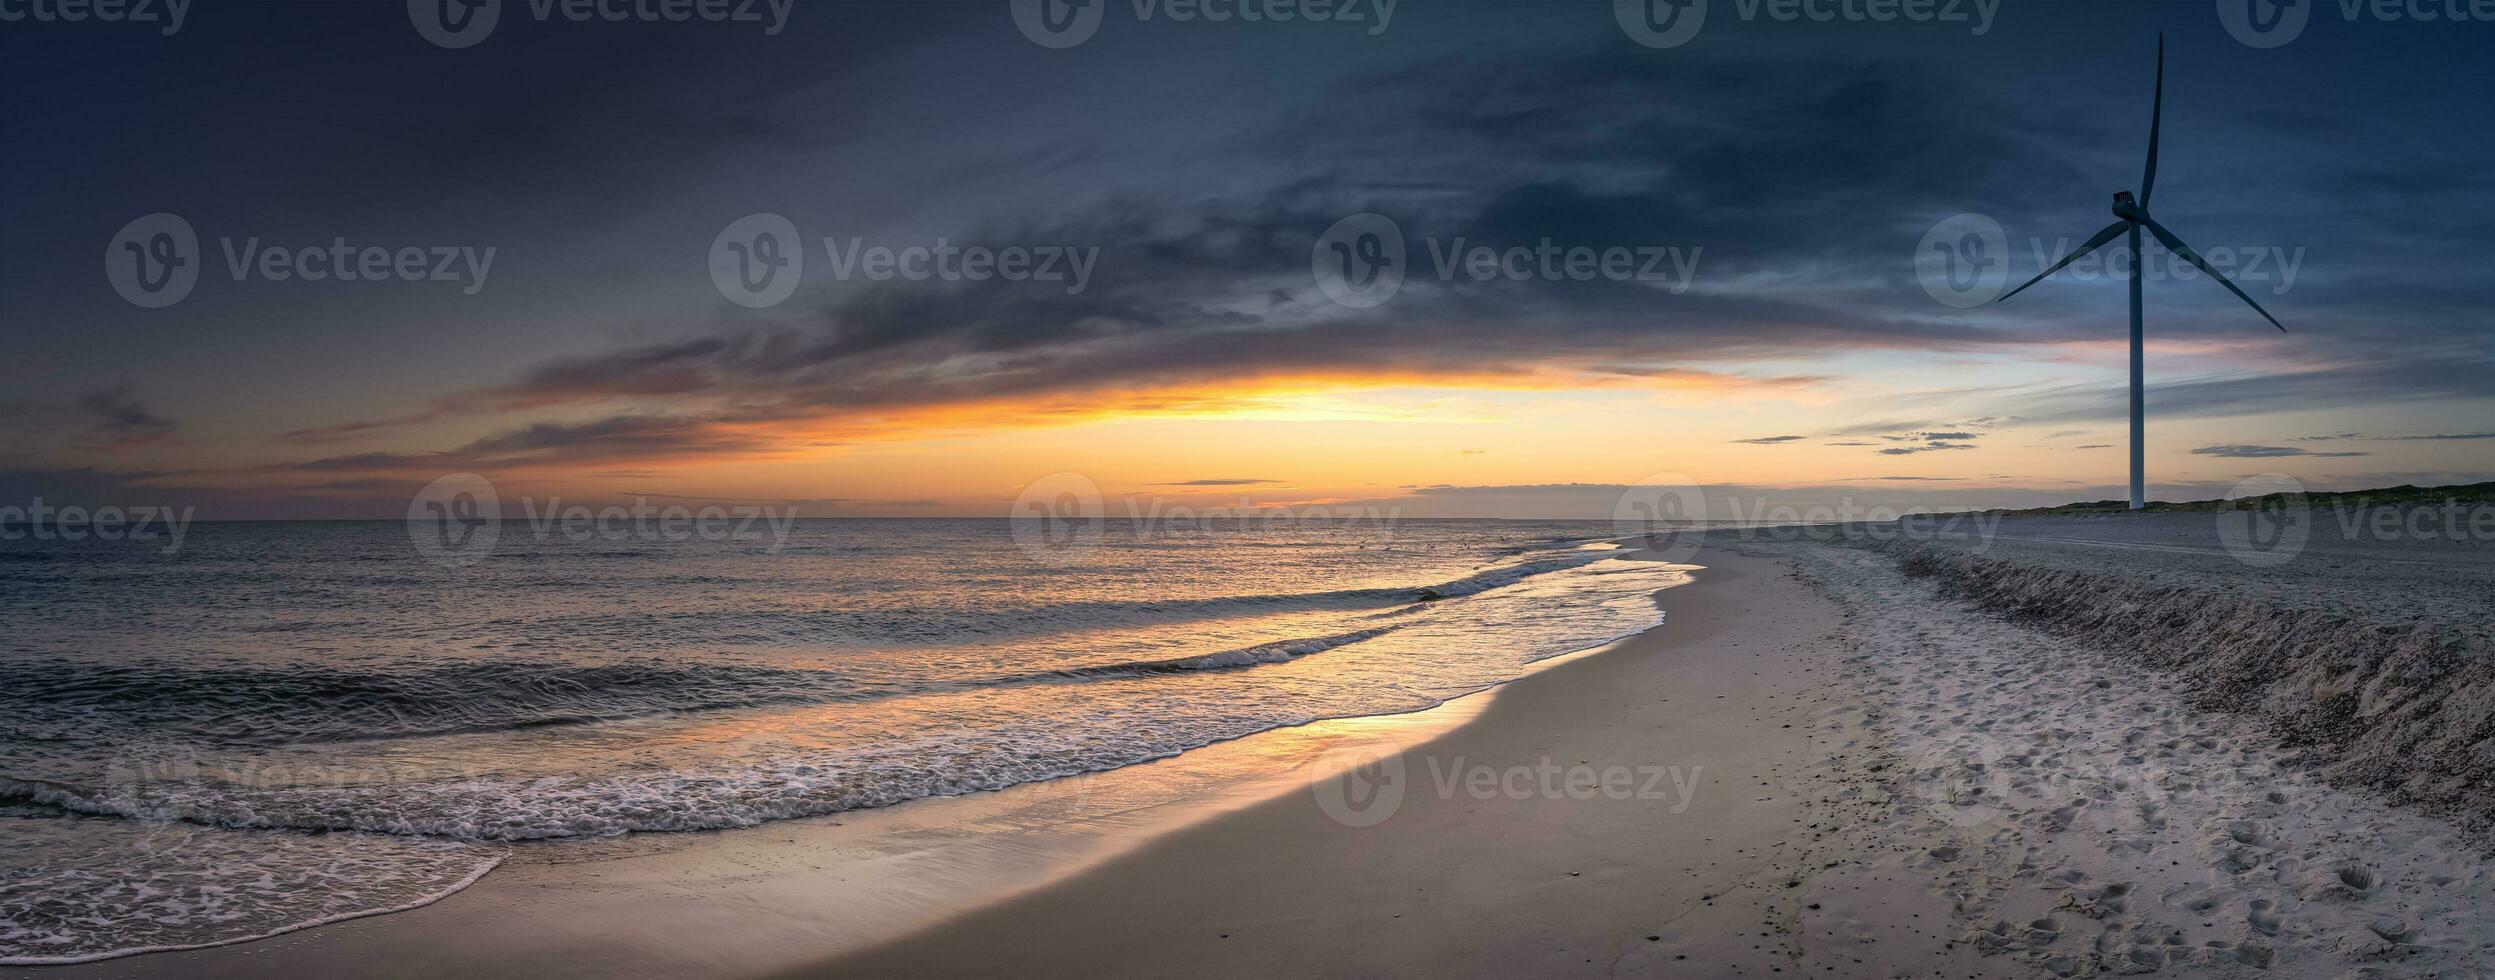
[601,694]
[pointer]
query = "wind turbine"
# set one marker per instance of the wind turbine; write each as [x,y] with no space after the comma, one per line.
[2134,216]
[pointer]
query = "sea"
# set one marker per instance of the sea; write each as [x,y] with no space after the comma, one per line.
[277,725]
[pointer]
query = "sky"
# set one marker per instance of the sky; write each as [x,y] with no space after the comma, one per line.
[1731,257]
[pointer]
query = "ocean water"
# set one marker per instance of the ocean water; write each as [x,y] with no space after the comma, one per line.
[284,724]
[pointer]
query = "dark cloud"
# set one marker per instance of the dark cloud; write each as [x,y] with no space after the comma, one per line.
[2449,436]
[1805,173]
[2364,381]
[1770,440]
[124,421]
[2263,452]
[1216,290]
[1927,448]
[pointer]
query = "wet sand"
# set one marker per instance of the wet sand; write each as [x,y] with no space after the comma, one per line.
[786,895]
[1501,874]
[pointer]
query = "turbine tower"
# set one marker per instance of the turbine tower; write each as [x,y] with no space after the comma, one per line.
[2133,217]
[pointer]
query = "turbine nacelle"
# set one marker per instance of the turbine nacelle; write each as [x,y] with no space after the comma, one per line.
[2127,208]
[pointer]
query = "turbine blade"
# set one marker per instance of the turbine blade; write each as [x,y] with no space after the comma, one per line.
[2110,233]
[2156,123]
[2176,246]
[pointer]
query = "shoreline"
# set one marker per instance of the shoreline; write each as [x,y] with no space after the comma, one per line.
[1550,881]
[1819,762]
[604,906]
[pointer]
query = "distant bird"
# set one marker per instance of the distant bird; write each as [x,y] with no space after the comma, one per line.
[2134,216]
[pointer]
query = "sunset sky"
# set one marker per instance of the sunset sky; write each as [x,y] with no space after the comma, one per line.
[1800,163]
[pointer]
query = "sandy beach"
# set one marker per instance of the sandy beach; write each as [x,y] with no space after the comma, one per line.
[775,490]
[1705,720]
[1897,785]
[1732,690]
[1820,764]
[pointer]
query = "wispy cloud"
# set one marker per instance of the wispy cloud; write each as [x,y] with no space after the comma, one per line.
[124,421]
[2264,452]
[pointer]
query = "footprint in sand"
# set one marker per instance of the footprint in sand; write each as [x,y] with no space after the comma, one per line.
[2264,916]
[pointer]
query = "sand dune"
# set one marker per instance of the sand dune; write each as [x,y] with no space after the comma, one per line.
[2082,817]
